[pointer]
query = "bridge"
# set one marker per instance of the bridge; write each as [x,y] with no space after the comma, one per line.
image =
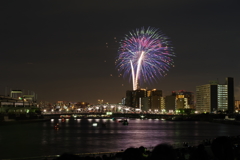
[119,110]
[139,115]
[115,108]
[111,115]
[110,111]
[109,108]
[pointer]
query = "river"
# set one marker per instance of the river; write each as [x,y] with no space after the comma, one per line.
[80,136]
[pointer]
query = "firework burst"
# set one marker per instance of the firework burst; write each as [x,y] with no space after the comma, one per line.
[144,56]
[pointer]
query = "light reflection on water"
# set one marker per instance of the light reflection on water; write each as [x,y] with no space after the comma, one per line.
[79,136]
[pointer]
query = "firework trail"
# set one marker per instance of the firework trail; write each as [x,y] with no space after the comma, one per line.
[144,55]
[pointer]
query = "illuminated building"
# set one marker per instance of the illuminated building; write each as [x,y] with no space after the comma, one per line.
[222,92]
[237,105]
[155,99]
[215,97]
[133,97]
[206,98]
[162,106]
[146,100]
[184,100]
[179,100]
[16,93]
[18,102]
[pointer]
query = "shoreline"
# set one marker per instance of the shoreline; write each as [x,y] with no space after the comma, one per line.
[45,119]
[23,121]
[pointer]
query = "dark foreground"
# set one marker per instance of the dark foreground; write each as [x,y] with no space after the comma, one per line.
[220,148]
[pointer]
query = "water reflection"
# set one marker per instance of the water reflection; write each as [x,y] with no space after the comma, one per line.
[79,136]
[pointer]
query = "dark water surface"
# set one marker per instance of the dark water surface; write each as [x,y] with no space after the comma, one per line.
[79,136]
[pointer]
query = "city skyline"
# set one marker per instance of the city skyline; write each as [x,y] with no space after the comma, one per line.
[67,50]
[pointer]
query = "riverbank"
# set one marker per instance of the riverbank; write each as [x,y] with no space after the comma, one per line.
[224,121]
[21,121]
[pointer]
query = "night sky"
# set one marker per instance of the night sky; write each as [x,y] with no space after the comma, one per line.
[58,49]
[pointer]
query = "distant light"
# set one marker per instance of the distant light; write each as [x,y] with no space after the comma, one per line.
[108,113]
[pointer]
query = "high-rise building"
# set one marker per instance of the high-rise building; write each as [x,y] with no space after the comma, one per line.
[145,104]
[133,97]
[237,105]
[170,103]
[231,98]
[179,100]
[222,93]
[155,100]
[206,98]
[215,97]
[184,100]
[162,106]
[146,100]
